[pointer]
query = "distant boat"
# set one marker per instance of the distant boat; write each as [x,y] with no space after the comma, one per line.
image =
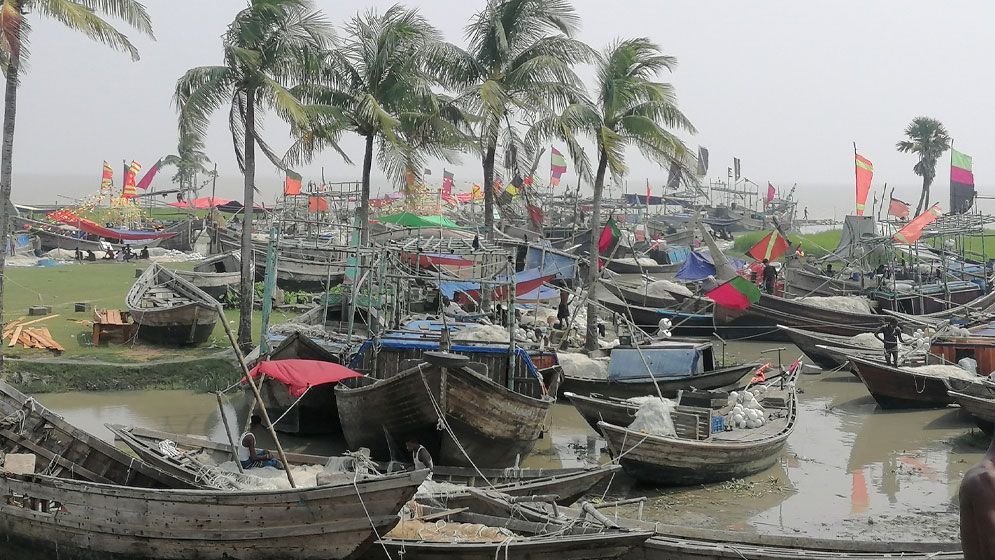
[169,309]
[215,275]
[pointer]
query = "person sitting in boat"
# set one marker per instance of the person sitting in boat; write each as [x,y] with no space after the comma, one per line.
[977,508]
[890,335]
[829,269]
[252,458]
[127,254]
[90,256]
[769,276]
[144,254]
[420,456]
[451,308]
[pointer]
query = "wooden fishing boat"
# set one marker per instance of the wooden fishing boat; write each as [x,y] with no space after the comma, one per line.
[499,531]
[716,457]
[814,344]
[186,233]
[169,309]
[68,452]
[569,485]
[900,387]
[630,266]
[84,520]
[640,296]
[215,275]
[493,415]
[980,408]
[805,280]
[674,365]
[297,268]
[619,412]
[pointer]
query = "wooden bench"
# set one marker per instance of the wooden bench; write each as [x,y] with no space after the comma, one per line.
[112,323]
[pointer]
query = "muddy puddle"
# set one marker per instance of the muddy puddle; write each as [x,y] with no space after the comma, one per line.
[849,470]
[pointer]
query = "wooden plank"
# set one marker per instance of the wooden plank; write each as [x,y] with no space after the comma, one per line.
[17,335]
[45,318]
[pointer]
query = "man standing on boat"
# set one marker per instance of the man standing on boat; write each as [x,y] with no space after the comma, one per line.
[769,276]
[420,456]
[977,509]
[252,458]
[890,335]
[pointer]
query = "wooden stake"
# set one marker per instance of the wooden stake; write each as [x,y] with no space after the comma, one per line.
[234,450]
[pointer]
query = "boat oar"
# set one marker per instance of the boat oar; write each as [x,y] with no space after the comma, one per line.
[255,391]
[231,442]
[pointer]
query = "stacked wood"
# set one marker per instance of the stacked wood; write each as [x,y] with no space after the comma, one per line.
[35,337]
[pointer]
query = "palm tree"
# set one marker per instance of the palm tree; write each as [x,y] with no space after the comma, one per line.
[521,54]
[928,139]
[632,109]
[379,84]
[84,16]
[270,45]
[189,160]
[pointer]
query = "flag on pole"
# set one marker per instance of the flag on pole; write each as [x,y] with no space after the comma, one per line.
[146,181]
[735,167]
[962,191]
[535,214]
[898,208]
[772,246]
[864,170]
[557,167]
[292,185]
[674,177]
[129,190]
[771,192]
[447,186]
[317,204]
[107,179]
[738,293]
[609,235]
[702,161]
[913,230]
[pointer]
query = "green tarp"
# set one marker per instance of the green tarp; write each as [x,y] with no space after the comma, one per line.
[407,219]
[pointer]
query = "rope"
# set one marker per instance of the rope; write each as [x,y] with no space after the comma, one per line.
[291,407]
[373,525]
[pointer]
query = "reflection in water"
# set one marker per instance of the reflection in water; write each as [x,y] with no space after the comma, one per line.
[846,463]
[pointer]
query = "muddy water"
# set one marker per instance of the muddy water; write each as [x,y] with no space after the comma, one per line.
[850,470]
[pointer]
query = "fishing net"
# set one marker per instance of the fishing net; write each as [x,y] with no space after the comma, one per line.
[449,532]
[579,365]
[849,304]
[653,416]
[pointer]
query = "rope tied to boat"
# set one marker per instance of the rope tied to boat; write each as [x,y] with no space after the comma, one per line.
[291,407]
[355,486]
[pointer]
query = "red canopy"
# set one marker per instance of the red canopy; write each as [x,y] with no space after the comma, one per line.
[91,227]
[298,375]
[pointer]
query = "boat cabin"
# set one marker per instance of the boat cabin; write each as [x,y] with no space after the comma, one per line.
[220,264]
[980,348]
[928,298]
[663,361]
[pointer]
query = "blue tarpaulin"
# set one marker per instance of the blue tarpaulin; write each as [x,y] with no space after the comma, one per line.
[665,363]
[563,266]
[695,268]
[434,345]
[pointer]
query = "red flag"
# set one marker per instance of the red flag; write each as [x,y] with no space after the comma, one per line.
[738,293]
[770,193]
[146,181]
[292,186]
[898,209]
[865,172]
[773,245]
[912,230]
[535,213]
[317,204]
[128,191]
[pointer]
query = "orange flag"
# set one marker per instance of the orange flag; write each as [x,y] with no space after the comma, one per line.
[865,172]
[913,230]
[317,204]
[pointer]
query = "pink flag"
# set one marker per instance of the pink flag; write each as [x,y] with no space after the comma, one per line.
[770,193]
[146,181]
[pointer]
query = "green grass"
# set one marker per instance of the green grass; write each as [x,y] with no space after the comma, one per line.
[974,246]
[101,285]
[814,244]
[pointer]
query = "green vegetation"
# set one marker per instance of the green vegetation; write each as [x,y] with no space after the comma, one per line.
[55,376]
[814,244]
[928,140]
[101,285]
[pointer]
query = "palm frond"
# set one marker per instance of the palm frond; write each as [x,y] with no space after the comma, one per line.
[78,17]
[129,11]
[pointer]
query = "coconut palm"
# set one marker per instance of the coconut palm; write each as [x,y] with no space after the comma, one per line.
[269,46]
[521,54]
[632,110]
[189,161]
[83,16]
[928,139]
[379,84]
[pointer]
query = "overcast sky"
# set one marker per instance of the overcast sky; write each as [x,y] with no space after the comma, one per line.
[786,86]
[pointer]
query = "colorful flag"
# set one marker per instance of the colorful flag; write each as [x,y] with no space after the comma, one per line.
[913,230]
[735,167]
[702,161]
[898,209]
[535,214]
[317,204]
[292,185]
[557,164]
[773,245]
[129,190]
[771,192]
[146,181]
[609,235]
[107,179]
[961,182]
[738,293]
[447,186]
[864,170]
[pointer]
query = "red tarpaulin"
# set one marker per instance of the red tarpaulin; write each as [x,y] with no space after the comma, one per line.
[298,375]
[202,203]
[71,219]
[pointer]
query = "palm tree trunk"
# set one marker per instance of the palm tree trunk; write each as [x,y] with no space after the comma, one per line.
[923,196]
[594,264]
[247,286]
[7,164]
[364,204]
[488,187]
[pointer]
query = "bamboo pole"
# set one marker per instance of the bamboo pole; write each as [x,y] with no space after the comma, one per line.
[231,442]
[259,398]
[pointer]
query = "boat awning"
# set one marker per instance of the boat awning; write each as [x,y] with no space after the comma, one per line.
[695,268]
[71,219]
[298,375]
[627,364]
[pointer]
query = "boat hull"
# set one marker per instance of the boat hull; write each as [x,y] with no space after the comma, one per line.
[981,410]
[669,387]
[897,388]
[86,521]
[576,547]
